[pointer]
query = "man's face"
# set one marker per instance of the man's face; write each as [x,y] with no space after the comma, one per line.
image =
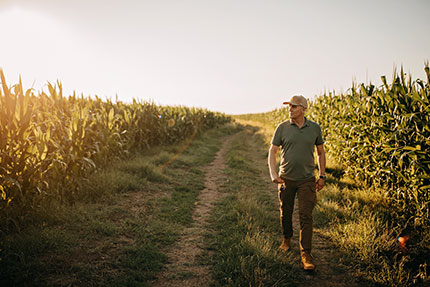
[296,111]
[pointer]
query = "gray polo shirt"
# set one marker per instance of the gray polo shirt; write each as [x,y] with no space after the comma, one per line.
[297,148]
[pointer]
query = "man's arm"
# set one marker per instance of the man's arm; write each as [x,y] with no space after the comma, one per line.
[272,164]
[321,166]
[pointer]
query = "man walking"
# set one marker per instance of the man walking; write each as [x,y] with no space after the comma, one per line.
[297,138]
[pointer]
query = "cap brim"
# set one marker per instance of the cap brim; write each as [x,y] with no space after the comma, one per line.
[287,103]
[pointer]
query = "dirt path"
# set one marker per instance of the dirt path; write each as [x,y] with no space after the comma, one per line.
[183,269]
[328,272]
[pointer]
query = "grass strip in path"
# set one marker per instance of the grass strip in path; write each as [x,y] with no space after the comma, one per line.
[184,268]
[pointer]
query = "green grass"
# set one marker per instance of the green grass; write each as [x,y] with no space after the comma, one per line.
[130,213]
[119,234]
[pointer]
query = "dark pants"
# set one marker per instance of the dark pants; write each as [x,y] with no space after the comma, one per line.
[306,195]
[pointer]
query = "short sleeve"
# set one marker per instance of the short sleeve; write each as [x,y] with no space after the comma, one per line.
[319,140]
[276,140]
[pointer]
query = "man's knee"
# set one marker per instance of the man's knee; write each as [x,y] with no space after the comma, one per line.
[305,218]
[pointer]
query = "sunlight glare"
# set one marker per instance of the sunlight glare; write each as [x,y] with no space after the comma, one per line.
[34,44]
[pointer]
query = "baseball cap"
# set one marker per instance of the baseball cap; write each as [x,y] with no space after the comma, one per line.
[297,100]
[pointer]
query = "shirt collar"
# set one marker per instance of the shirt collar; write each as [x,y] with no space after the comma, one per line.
[304,125]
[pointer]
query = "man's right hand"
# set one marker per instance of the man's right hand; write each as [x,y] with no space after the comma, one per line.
[272,164]
[278,180]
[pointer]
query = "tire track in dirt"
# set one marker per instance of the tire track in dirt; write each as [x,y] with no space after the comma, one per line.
[328,272]
[184,269]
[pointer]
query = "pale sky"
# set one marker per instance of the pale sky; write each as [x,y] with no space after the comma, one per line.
[232,56]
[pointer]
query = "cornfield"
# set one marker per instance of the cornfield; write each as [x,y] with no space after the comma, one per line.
[50,143]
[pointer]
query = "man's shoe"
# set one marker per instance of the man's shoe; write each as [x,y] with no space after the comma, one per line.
[285,245]
[307,261]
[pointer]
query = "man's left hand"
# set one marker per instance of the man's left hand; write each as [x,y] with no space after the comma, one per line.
[320,184]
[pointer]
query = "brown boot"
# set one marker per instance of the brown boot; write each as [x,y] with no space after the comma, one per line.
[307,261]
[285,245]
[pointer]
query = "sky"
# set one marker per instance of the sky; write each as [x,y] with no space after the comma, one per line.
[231,56]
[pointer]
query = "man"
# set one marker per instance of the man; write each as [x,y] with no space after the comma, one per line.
[297,138]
